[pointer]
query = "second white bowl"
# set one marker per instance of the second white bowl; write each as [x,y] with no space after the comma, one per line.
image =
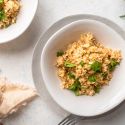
[24,19]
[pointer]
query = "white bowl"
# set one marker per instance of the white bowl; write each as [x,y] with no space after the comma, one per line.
[24,19]
[110,96]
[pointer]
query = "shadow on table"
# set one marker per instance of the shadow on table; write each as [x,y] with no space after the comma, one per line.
[113,117]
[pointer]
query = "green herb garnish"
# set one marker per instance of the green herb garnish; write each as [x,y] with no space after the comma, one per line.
[122,16]
[97,88]
[82,63]
[1,1]
[77,93]
[71,75]
[113,64]
[104,75]
[96,66]
[75,86]
[68,64]
[2,15]
[92,78]
[59,53]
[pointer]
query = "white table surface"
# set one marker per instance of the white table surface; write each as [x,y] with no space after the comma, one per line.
[16,56]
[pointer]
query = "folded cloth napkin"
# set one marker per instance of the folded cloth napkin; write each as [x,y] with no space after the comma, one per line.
[13,97]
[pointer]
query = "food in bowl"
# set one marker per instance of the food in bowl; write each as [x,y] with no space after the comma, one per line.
[9,10]
[86,65]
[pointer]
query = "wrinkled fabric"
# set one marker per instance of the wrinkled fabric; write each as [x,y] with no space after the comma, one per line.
[13,97]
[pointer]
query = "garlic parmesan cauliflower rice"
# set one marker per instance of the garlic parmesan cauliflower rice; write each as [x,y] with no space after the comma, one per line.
[86,66]
[9,10]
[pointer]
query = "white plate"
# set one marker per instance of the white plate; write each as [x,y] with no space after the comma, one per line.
[110,96]
[84,106]
[24,19]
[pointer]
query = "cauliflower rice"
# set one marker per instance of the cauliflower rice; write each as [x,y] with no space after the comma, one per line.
[9,10]
[86,66]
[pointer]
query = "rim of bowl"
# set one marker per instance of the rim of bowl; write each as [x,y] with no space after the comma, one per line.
[110,107]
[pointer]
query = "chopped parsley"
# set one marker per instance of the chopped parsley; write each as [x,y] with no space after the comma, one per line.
[68,64]
[2,15]
[77,93]
[1,1]
[123,16]
[71,75]
[82,63]
[96,66]
[76,86]
[97,88]
[104,75]
[59,53]
[92,78]
[113,64]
